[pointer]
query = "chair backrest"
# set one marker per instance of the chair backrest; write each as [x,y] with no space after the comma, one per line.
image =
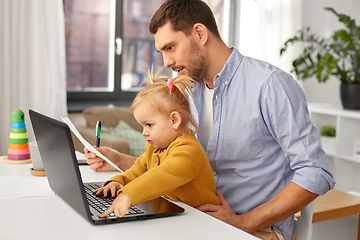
[303,226]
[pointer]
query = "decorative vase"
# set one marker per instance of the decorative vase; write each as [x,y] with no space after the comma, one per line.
[350,96]
[328,144]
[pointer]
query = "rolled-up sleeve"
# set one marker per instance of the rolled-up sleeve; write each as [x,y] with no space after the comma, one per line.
[286,115]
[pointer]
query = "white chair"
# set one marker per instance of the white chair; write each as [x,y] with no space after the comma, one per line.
[303,227]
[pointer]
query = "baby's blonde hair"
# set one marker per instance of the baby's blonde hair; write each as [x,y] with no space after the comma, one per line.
[158,95]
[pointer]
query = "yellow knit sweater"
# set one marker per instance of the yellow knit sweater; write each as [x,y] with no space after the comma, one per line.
[182,173]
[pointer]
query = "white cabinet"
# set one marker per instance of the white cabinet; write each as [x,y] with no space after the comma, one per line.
[343,160]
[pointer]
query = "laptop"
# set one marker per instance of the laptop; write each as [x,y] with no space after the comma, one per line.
[61,166]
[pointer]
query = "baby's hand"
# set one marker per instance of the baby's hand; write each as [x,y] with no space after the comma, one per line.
[120,206]
[112,187]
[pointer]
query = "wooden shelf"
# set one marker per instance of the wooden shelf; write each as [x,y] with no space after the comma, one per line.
[335,204]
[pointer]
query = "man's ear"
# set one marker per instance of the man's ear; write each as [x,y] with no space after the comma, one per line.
[175,119]
[201,33]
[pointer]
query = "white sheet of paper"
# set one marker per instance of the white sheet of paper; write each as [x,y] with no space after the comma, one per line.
[19,187]
[86,144]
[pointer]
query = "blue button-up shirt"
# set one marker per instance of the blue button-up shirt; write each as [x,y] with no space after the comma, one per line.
[262,136]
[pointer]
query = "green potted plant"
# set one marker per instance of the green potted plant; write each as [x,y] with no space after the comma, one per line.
[338,55]
[328,133]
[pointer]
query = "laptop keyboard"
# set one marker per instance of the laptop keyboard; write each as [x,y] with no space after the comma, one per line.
[101,204]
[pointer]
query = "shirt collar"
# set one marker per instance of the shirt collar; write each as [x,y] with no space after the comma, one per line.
[230,67]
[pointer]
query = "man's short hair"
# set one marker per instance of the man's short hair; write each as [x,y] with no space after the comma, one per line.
[182,15]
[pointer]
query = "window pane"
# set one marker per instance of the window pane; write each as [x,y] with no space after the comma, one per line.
[139,52]
[249,42]
[87,26]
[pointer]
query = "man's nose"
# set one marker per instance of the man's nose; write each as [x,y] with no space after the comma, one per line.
[168,61]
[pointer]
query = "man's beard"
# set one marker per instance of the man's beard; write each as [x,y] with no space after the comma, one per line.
[196,62]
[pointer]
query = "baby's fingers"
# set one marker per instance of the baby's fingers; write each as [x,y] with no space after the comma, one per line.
[113,192]
[98,191]
[121,212]
[107,212]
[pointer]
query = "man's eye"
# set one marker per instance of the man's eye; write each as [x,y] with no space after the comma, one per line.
[170,48]
[149,124]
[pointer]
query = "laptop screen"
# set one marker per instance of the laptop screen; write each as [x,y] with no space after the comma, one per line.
[57,152]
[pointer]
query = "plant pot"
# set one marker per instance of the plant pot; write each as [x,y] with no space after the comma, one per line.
[328,144]
[350,96]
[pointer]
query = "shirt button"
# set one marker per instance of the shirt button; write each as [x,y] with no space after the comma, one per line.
[216,97]
[214,173]
[226,82]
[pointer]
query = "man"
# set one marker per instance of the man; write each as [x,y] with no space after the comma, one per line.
[254,125]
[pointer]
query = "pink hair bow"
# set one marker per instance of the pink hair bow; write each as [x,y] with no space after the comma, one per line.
[170,84]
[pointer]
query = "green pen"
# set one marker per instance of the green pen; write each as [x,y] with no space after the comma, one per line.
[98,133]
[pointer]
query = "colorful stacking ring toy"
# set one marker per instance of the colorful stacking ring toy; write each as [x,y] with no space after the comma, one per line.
[18,152]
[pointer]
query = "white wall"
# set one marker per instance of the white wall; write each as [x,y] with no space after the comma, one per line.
[325,23]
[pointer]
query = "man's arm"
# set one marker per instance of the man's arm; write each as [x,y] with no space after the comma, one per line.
[287,202]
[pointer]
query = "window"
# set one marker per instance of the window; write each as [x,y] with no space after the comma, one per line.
[263,28]
[102,35]
[89,38]
[249,28]
[109,47]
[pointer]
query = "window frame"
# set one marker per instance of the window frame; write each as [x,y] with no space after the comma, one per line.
[77,101]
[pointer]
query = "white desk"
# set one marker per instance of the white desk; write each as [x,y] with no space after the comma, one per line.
[51,218]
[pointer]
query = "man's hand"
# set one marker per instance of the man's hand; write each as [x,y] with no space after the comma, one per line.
[222,212]
[98,164]
[291,199]
[123,161]
[120,206]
